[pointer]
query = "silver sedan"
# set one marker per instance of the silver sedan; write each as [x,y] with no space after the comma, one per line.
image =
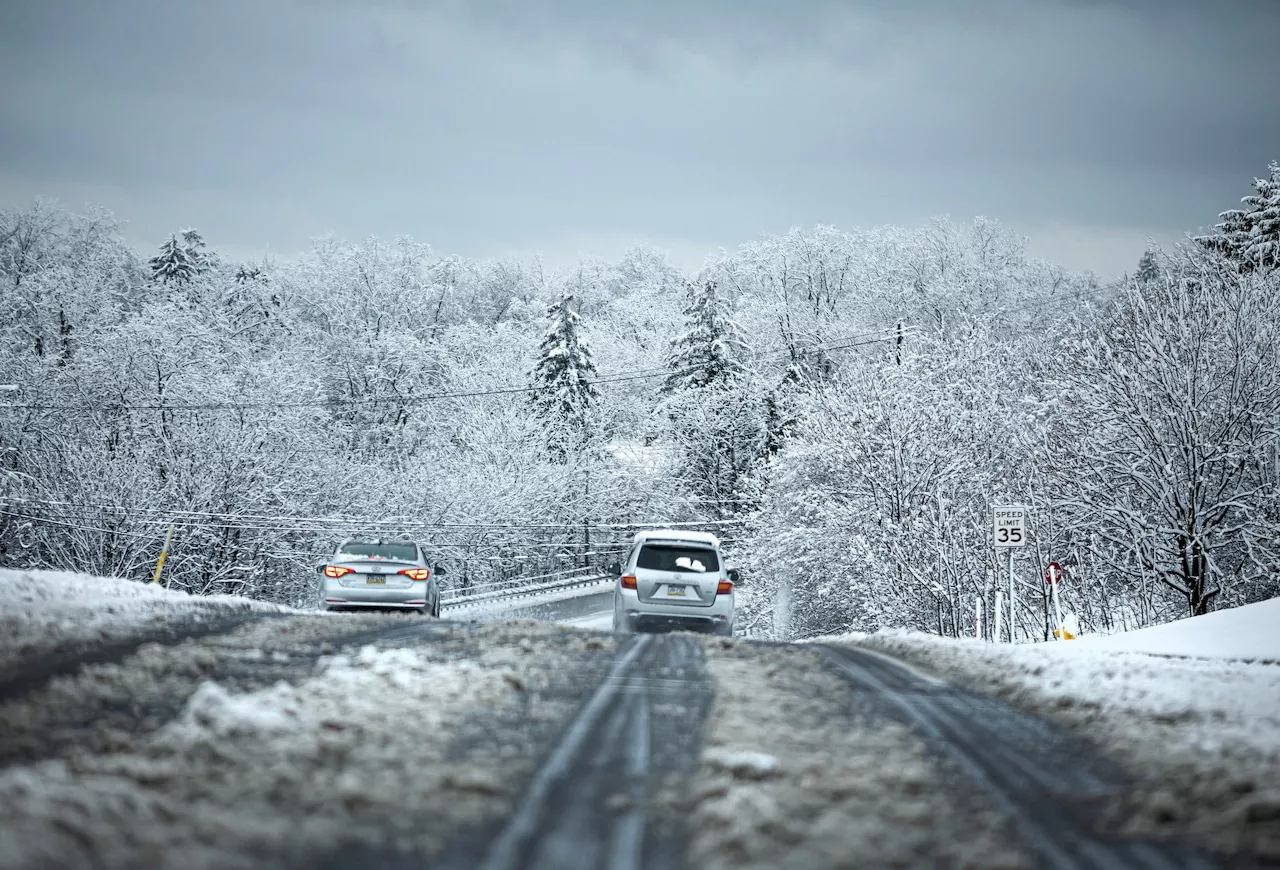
[365,573]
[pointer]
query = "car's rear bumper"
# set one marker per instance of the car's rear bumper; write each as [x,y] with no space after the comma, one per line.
[335,596]
[640,615]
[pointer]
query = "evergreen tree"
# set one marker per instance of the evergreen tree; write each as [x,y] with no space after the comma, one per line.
[194,243]
[564,397]
[182,257]
[173,264]
[1251,236]
[1262,249]
[1148,269]
[714,417]
[708,353]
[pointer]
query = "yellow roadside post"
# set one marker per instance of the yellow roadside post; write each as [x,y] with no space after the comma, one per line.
[164,552]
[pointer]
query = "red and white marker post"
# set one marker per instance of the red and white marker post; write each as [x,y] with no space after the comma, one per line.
[1053,576]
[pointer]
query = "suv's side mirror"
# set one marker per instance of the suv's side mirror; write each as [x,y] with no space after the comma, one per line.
[615,568]
[734,577]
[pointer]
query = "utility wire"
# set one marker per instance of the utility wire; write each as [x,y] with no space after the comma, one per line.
[167,516]
[885,335]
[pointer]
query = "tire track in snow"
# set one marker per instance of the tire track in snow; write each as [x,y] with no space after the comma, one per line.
[1036,776]
[603,798]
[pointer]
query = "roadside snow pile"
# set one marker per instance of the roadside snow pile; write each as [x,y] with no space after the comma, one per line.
[273,774]
[42,610]
[1249,633]
[1202,729]
[387,750]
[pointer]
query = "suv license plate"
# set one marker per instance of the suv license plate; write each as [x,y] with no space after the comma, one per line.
[373,581]
[675,591]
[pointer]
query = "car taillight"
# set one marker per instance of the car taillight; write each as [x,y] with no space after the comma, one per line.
[628,581]
[724,587]
[337,571]
[415,573]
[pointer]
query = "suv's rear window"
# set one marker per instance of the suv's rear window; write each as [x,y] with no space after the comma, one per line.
[399,552]
[672,557]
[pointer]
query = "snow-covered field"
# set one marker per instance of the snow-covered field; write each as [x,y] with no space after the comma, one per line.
[1193,705]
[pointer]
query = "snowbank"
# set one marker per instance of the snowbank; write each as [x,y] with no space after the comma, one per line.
[41,610]
[1249,633]
[389,749]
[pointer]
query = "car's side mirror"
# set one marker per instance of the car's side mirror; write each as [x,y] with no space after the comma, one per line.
[320,567]
[734,577]
[440,571]
[615,568]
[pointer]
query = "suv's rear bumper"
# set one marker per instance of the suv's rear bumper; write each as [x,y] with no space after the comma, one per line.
[714,624]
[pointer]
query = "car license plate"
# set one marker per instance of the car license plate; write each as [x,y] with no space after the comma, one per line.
[675,591]
[372,581]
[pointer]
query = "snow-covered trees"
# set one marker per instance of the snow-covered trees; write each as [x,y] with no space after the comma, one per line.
[709,352]
[1251,236]
[853,401]
[711,411]
[564,392]
[1168,431]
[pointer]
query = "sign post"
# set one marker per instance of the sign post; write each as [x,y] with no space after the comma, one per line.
[164,553]
[1009,530]
[1052,576]
[997,625]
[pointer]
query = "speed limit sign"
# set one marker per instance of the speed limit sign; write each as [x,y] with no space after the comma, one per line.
[1009,525]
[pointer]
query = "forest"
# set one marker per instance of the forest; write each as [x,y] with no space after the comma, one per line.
[844,407]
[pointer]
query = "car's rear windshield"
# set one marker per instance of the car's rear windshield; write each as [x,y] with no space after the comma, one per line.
[673,557]
[398,552]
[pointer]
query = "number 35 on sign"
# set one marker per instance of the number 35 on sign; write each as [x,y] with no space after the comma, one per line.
[1009,525]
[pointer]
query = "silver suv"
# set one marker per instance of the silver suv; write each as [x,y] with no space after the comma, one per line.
[674,579]
[371,572]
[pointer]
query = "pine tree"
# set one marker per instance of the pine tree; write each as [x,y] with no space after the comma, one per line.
[708,353]
[1262,249]
[195,246]
[1148,269]
[173,264]
[565,396]
[182,257]
[1251,235]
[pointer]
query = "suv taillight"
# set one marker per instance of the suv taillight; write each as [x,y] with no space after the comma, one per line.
[337,571]
[415,573]
[724,587]
[628,581]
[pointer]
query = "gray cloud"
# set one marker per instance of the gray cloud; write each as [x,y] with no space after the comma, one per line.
[517,123]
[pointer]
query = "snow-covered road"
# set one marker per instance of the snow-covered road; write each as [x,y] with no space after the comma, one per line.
[312,740]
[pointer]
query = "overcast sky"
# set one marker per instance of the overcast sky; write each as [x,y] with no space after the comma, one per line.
[574,127]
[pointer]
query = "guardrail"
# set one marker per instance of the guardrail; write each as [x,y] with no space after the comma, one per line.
[524,591]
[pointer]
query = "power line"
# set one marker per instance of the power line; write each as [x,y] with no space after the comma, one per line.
[614,378]
[78,528]
[272,521]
